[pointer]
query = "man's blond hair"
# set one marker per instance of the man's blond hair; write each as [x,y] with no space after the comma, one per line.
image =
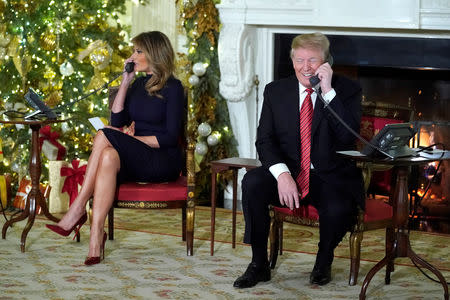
[315,41]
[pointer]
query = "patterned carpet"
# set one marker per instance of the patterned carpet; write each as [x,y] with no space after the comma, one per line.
[147,260]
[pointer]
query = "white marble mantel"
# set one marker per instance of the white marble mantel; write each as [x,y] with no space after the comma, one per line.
[246,41]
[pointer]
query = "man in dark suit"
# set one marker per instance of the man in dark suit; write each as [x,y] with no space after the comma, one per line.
[333,184]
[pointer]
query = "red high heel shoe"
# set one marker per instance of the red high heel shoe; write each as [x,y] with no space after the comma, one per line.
[76,227]
[93,260]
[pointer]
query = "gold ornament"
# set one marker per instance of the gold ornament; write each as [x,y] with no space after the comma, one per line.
[97,80]
[101,57]
[54,98]
[48,40]
[50,86]
[2,7]
[2,54]
[99,53]
[23,5]
[5,38]
[49,73]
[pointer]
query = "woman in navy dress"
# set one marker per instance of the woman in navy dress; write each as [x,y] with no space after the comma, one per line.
[142,143]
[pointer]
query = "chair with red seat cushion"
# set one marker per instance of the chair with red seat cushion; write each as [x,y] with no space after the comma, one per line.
[175,194]
[375,116]
[378,213]
[168,195]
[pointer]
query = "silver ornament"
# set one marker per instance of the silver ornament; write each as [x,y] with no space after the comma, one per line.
[199,69]
[66,68]
[212,140]
[194,80]
[204,129]
[201,148]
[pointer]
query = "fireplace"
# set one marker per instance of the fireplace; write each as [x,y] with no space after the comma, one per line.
[401,70]
[247,46]
[407,72]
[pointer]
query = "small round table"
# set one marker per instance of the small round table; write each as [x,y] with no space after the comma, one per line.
[35,196]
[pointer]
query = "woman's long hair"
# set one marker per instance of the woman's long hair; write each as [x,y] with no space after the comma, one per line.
[160,57]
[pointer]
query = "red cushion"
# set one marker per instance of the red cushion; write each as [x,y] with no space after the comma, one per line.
[167,191]
[370,126]
[307,211]
[377,209]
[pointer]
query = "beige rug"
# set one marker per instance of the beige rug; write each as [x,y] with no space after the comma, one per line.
[147,260]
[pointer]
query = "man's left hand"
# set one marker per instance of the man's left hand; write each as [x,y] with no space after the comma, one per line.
[325,73]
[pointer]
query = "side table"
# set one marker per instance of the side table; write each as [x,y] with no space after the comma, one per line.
[400,245]
[35,196]
[217,166]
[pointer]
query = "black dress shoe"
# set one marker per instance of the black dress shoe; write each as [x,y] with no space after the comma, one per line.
[320,276]
[252,276]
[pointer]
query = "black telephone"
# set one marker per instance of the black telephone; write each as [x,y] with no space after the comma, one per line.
[314,80]
[40,107]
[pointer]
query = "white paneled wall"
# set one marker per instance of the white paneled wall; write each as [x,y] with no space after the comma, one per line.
[158,15]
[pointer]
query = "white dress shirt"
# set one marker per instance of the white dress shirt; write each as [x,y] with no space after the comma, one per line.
[279,168]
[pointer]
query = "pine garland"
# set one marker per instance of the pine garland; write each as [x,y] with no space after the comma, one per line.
[200,21]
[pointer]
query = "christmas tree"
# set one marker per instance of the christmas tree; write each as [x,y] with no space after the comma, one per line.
[63,50]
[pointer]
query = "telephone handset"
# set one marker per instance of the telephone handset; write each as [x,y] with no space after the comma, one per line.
[314,80]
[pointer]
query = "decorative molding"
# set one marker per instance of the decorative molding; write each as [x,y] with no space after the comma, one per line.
[435,18]
[141,204]
[435,4]
[236,60]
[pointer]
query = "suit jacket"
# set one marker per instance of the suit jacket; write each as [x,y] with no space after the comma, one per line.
[278,136]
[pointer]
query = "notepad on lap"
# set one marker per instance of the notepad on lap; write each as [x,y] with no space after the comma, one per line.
[97,123]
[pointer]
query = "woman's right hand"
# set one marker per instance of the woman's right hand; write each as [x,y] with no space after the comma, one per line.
[127,77]
[125,129]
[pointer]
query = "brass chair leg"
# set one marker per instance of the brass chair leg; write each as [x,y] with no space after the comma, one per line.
[355,256]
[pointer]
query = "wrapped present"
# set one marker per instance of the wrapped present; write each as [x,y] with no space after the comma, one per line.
[1,150]
[21,198]
[65,179]
[5,190]
[49,144]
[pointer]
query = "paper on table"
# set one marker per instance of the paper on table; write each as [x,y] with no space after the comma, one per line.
[351,152]
[435,154]
[97,123]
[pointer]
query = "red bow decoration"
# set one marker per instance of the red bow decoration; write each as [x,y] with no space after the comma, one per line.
[47,134]
[74,177]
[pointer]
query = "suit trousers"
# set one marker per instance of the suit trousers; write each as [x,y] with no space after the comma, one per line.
[335,206]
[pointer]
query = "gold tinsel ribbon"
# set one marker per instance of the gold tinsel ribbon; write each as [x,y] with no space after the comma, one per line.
[3,191]
[89,49]
[21,59]
[100,54]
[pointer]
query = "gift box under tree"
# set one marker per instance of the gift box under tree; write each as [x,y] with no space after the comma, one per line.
[65,179]
[50,145]
[20,200]
[5,191]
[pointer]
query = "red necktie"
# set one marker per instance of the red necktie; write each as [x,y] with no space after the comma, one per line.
[306,115]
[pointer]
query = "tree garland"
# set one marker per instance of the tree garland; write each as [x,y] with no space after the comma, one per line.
[209,123]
